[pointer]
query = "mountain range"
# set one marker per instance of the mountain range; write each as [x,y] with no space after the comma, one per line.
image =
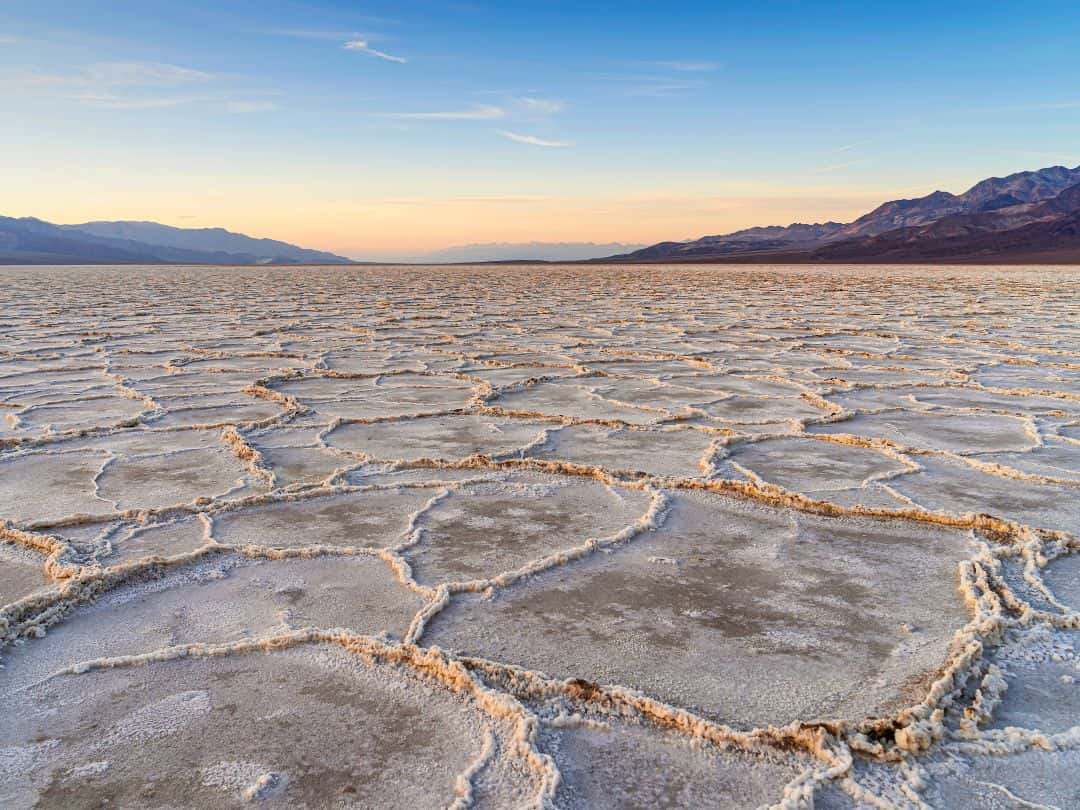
[33,241]
[1031,216]
[1027,216]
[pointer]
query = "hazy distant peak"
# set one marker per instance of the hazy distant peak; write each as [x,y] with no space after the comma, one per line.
[513,251]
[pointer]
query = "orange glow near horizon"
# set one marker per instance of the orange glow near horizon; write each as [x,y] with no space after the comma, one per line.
[404,226]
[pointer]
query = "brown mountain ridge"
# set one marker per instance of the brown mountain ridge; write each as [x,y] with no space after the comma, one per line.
[1027,216]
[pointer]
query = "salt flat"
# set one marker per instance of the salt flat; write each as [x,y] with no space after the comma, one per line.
[540,536]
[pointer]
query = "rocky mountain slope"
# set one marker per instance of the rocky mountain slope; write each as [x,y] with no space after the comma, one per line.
[938,226]
[1027,229]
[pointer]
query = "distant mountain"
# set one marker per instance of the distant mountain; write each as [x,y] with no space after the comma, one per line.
[920,228]
[1027,216]
[208,240]
[33,241]
[521,251]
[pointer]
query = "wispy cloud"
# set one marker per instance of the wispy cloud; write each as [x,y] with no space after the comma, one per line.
[5,39]
[532,140]
[670,88]
[686,66]
[244,107]
[652,85]
[362,46]
[836,167]
[109,101]
[331,34]
[308,33]
[141,86]
[117,74]
[482,112]
[144,73]
[849,146]
[313,33]
[538,106]
[1069,104]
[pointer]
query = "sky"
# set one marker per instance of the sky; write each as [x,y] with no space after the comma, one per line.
[384,129]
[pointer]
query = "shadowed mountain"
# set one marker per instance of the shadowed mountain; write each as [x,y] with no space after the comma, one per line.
[207,240]
[33,241]
[989,195]
[750,240]
[939,225]
[1049,228]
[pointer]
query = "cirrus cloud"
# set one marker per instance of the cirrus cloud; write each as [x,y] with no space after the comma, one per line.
[532,140]
[114,74]
[111,101]
[245,107]
[687,65]
[533,105]
[143,74]
[362,46]
[481,112]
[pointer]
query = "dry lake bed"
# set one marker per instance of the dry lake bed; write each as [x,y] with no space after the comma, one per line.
[581,537]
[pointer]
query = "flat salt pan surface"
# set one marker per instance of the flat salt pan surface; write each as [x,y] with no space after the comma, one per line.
[556,536]
[624,766]
[21,572]
[678,453]
[485,529]
[748,615]
[222,732]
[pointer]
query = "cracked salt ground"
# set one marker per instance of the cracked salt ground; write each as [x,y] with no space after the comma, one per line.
[224,731]
[374,397]
[672,452]
[820,468]
[576,401]
[448,437]
[301,465]
[953,486]
[959,433]
[361,519]
[96,411]
[68,478]
[118,543]
[222,601]
[21,573]
[748,615]
[482,530]
[414,537]
[620,765]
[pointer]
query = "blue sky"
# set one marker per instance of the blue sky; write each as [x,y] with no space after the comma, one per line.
[383,128]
